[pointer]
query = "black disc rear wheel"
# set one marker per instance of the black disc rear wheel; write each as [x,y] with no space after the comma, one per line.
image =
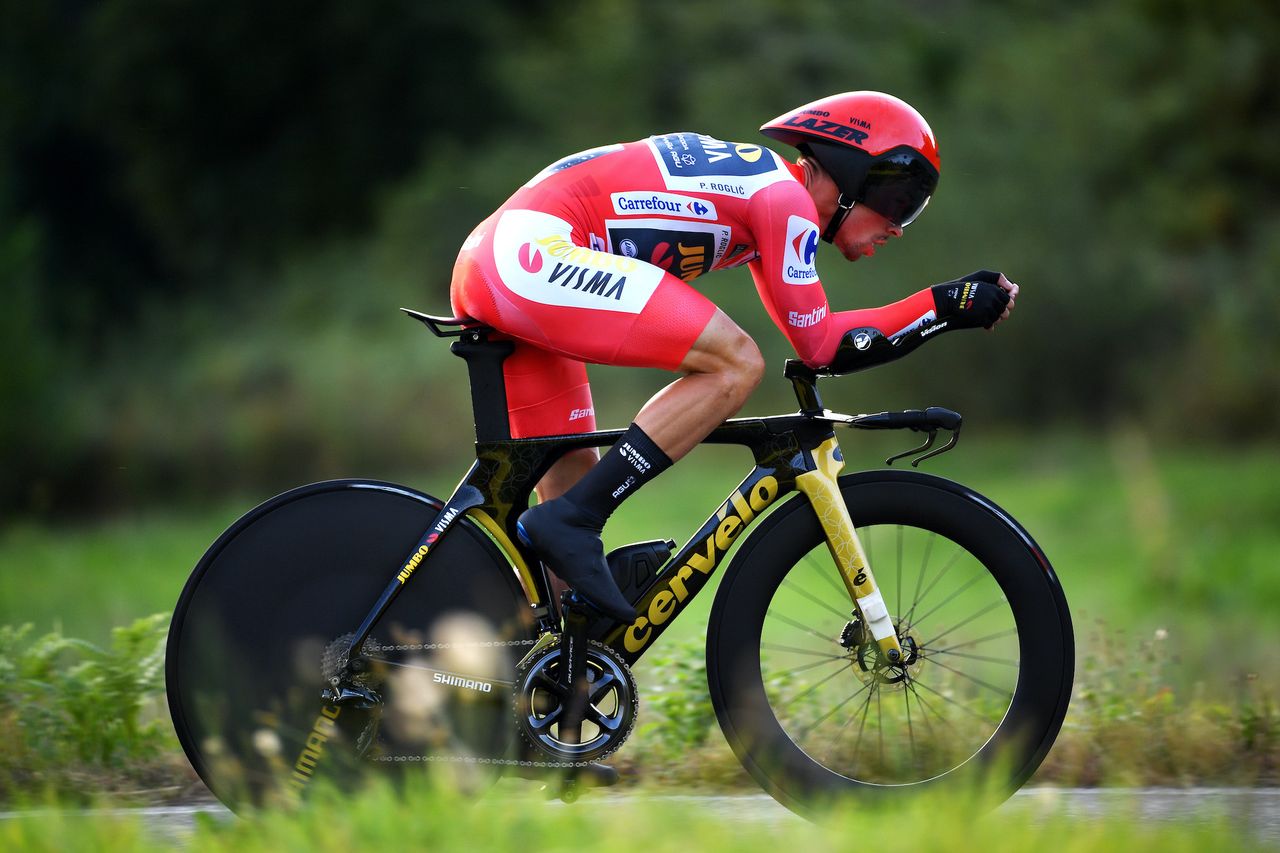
[263,616]
[811,707]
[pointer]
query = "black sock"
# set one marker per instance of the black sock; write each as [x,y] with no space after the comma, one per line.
[621,471]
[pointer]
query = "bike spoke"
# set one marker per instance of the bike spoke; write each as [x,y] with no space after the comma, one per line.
[992,606]
[946,567]
[807,629]
[997,690]
[924,706]
[950,701]
[897,602]
[804,732]
[807,666]
[952,597]
[1001,661]
[880,726]
[836,737]
[911,732]
[996,636]
[814,686]
[824,572]
[866,709]
[818,601]
[775,647]
[924,565]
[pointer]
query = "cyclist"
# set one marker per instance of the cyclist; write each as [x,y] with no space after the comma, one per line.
[590,262]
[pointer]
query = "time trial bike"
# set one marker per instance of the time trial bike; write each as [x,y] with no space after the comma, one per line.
[354,628]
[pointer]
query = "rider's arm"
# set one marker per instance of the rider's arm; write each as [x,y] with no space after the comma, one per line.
[784,222]
[977,300]
[817,333]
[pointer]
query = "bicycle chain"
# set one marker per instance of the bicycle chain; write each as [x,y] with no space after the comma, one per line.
[469,760]
[426,647]
[466,760]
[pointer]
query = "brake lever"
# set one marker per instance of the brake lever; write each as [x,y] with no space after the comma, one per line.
[933,435]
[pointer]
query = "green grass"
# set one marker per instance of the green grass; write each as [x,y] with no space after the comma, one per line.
[427,817]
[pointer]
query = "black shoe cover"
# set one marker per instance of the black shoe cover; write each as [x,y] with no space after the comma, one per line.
[568,540]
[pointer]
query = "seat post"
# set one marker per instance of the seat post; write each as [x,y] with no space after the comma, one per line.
[488,387]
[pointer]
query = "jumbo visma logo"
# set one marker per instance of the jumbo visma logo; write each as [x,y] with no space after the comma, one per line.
[576,267]
[530,258]
[670,594]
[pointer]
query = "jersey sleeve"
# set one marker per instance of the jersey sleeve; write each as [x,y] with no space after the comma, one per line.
[784,223]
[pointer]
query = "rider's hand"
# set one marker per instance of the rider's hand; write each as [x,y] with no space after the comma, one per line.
[982,298]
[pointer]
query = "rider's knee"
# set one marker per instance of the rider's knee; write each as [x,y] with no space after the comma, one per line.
[744,365]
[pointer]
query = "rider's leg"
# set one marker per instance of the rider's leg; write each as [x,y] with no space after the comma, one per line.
[567,470]
[722,368]
[590,306]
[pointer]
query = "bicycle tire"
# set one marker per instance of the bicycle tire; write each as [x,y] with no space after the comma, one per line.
[248,638]
[769,710]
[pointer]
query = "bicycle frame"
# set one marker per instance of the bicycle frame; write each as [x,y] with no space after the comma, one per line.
[793,453]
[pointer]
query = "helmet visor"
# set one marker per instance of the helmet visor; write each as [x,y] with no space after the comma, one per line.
[898,185]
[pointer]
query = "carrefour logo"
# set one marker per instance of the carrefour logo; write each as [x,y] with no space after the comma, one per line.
[648,203]
[800,251]
[805,245]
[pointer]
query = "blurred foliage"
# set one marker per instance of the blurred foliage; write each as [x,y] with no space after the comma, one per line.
[209,212]
[1128,725]
[80,720]
[77,718]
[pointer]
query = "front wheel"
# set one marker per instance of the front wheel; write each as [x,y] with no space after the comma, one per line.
[805,699]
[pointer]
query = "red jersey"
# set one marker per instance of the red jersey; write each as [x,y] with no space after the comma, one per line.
[591,259]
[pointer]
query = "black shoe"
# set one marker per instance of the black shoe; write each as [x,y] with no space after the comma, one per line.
[590,776]
[568,540]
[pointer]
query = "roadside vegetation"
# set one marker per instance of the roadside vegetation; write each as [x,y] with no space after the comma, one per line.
[79,721]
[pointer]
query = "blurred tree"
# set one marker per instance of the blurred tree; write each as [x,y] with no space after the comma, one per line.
[169,171]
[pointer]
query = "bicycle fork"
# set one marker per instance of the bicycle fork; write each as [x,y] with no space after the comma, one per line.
[822,488]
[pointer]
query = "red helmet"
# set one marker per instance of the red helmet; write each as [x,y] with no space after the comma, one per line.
[876,147]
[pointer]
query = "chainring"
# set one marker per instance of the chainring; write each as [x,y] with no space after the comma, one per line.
[611,710]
